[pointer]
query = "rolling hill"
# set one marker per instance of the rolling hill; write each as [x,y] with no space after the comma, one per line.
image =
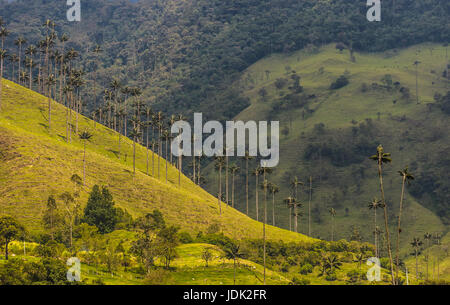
[36,163]
[329,135]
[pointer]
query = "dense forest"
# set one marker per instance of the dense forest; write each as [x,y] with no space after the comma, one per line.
[187,54]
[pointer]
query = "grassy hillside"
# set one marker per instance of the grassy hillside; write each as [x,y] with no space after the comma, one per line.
[37,162]
[351,122]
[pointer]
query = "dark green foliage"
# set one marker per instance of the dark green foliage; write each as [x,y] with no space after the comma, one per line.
[10,229]
[214,40]
[100,211]
[340,82]
[48,271]
[185,238]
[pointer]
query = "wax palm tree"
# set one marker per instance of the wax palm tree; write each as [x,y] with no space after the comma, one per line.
[19,42]
[2,57]
[3,34]
[97,50]
[31,51]
[50,81]
[332,212]
[374,205]
[416,244]
[148,123]
[309,205]
[23,76]
[265,186]
[427,236]
[166,136]
[84,136]
[256,172]
[406,178]
[233,169]
[290,203]
[294,184]
[232,251]
[63,39]
[381,158]
[333,262]
[220,162]
[360,258]
[247,158]
[135,133]
[273,189]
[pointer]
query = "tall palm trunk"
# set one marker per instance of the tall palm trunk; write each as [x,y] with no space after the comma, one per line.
[31,72]
[246,183]
[232,189]
[84,163]
[375,230]
[273,208]
[417,262]
[256,198]
[219,195]
[134,154]
[49,88]
[388,239]
[264,226]
[1,80]
[226,178]
[167,140]
[309,205]
[397,260]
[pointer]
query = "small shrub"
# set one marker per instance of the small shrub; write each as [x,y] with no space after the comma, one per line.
[305,269]
[340,82]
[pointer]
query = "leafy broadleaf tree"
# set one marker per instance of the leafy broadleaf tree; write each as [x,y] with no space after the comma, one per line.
[100,210]
[10,229]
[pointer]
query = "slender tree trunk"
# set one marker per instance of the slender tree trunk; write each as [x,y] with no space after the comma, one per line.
[1,81]
[134,155]
[232,189]
[226,178]
[264,226]
[246,183]
[84,163]
[388,239]
[332,228]
[256,197]
[417,264]
[219,196]
[375,231]
[31,72]
[167,140]
[273,209]
[397,259]
[309,205]
[49,108]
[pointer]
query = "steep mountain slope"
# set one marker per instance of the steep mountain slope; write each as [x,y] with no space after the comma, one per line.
[329,135]
[36,163]
[185,54]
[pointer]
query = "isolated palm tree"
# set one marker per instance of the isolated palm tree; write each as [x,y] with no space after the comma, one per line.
[273,189]
[333,262]
[233,169]
[265,186]
[381,158]
[19,42]
[416,244]
[247,158]
[333,215]
[84,136]
[166,136]
[374,205]
[232,251]
[406,178]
